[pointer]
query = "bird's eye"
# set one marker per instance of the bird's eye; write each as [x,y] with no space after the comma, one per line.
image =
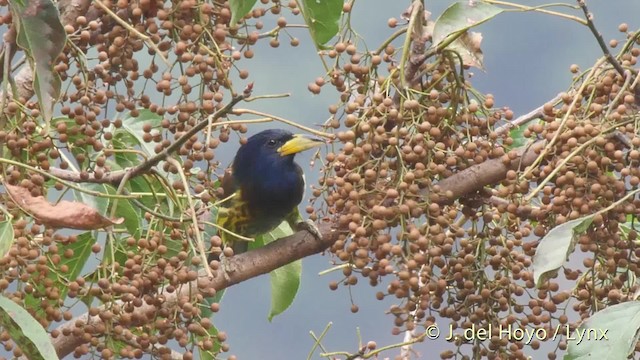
[272,142]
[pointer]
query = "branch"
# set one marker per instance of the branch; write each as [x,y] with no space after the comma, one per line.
[237,269]
[147,165]
[116,177]
[605,49]
[489,172]
[414,44]
[523,119]
[297,246]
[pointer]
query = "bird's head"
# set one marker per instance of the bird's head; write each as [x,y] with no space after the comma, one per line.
[273,147]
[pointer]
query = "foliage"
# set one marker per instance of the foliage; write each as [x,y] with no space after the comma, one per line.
[455,210]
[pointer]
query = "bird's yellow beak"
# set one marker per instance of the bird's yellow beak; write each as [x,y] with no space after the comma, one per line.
[299,143]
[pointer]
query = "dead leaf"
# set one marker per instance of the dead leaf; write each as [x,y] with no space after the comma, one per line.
[468,46]
[65,214]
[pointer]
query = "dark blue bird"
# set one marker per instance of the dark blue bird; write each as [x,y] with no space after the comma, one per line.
[266,184]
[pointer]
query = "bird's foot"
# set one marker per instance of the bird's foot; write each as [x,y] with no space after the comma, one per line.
[309,226]
[225,266]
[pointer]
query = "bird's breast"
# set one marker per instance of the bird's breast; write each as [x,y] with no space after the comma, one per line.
[274,196]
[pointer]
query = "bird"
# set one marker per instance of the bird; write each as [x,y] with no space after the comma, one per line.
[263,187]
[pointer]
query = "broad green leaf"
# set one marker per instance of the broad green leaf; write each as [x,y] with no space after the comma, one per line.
[555,247]
[42,37]
[516,134]
[240,8]
[213,331]
[81,251]
[285,280]
[6,236]
[25,331]
[133,126]
[99,203]
[322,17]
[73,137]
[124,141]
[282,230]
[611,333]
[130,214]
[460,17]
[114,253]
[148,185]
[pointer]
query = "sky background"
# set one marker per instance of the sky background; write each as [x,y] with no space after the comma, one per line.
[526,57]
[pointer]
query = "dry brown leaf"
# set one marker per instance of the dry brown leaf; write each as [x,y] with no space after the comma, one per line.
[468,46]
[65,214]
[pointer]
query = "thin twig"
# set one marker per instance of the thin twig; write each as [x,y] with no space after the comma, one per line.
[194,217]
[145,166]
[283,120]
[66,183]
[388,41]
[413,27]
[317,340]
[133,30]
[523,119]
[572,106]
[605,49]
[268,96]
[539,9]
[559,166]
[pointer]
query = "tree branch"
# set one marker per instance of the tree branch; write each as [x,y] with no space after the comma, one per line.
[299,245]
[116,177]
[605,49]
[523,119]
[489,172]
[238,268]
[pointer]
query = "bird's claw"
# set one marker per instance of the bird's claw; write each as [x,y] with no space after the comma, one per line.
[311,227]
[225,266]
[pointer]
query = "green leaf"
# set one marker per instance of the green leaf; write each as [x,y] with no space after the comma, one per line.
[114,253]
[27,333]
[285,281]
[322,17]
[133,126]
[6,236]
[240,8]
[131,215]
[213,331]
[517,135]
[99,203]
[148,184]
[74,137]
[460,17]
[555,247]
[81,251]
[124,141]
[42,37]
[608,334]
[282,230]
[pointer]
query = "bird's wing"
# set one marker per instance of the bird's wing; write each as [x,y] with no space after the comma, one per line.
[228,183]
[233,214]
